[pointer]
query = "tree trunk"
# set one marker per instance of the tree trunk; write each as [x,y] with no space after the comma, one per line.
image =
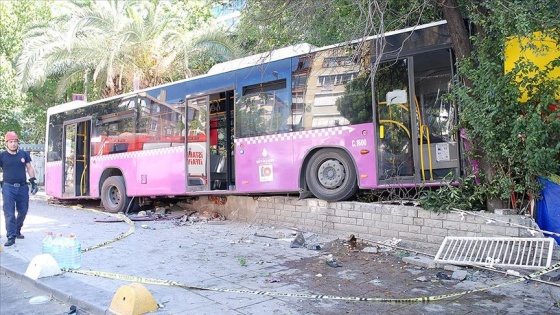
[457,30]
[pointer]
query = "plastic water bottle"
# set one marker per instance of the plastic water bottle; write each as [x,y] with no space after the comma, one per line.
[46,244]
[56,250]
[74,253]
[66,253]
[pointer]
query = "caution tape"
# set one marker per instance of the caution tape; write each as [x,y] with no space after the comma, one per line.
[117,276]
[120,216]
[131,230]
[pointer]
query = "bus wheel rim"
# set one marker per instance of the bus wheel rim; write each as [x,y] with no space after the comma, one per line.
[331,174]
[114,195]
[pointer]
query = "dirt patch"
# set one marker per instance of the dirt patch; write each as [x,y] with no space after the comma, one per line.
[362,273]
[371,271]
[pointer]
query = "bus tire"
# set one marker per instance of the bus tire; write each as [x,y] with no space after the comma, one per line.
[113,195]
[331,175]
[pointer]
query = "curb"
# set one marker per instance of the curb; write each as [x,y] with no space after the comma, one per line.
[15,267]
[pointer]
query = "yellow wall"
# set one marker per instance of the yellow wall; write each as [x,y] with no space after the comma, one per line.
[546,50]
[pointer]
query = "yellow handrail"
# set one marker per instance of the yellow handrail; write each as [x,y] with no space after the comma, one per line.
[390,121]
[424,129]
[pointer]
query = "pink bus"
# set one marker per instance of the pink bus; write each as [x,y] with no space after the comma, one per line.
[323,122]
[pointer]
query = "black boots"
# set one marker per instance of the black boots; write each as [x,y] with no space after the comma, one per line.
[11,241]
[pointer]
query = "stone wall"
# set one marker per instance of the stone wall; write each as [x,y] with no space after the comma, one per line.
[416,227]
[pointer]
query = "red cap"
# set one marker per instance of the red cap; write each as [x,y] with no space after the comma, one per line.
[10,135]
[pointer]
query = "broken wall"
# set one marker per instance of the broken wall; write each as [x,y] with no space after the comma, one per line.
[416,227]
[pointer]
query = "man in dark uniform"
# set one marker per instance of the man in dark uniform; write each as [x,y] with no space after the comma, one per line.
[15,192]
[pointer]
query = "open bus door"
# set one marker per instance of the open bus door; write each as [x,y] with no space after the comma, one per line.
[77,136]
[417,141]
[209,142]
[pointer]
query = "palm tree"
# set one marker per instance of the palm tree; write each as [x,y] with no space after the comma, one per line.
[114,45]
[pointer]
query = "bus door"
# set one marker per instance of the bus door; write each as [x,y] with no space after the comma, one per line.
[395,130]
[209,153]
[221,140]
[77,136]
[417,140]
[197,144]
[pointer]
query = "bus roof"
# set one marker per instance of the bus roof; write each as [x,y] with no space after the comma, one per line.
[269,56]
[66,106]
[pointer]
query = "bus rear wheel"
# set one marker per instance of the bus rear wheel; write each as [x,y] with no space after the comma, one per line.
[331,175]
[113,195]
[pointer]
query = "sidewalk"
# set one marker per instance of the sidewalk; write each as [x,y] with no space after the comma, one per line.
[240,256]
[224,254]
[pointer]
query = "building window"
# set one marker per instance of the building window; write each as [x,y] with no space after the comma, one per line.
[327,81]
[338,61]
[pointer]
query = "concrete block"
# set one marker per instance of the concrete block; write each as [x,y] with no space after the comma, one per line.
[452,267]
[552,276]
[505,211]
[459,275]
[420,261]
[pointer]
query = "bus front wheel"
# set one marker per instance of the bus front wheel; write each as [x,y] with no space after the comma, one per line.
[113,195]
[331,175]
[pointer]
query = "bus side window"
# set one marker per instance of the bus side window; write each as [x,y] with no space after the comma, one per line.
[263,109]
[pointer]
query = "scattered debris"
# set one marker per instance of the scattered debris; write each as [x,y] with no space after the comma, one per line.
[371,249]
[242,261]
[420,261]
[332,262]
[376,281]
[402,253]
[551,276]
[443,276]
[452,268]
[259,235]
[460,275]
[299,241]
[196,217]
[141,216]
[314,246]
[391,243]
[351,243]
[40,299]
[422,279]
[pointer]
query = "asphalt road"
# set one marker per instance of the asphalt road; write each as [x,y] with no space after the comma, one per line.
[17,297]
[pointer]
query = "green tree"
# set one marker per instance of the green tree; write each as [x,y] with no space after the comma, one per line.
[15,107]
[270,24]
[516,141]
[110,46]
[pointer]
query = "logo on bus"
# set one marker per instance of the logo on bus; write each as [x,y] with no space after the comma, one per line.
[265,173]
